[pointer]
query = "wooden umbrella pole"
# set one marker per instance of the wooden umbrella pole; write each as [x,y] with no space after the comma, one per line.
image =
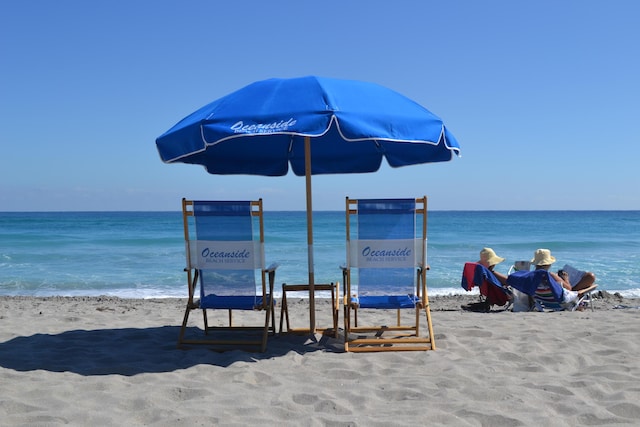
[307,168]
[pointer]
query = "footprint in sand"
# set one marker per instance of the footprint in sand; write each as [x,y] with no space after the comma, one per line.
[626,410]
[330,407]
[304,399]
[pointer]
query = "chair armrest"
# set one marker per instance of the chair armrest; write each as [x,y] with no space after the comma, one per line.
[272,267]
[585,291]
[271,273]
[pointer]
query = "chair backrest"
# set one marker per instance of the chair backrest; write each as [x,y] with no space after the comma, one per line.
[540,285]
[386,241]
[224,243]
[546,296]
[520,266]
[474,274]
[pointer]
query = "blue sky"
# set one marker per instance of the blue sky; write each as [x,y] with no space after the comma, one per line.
[544,97]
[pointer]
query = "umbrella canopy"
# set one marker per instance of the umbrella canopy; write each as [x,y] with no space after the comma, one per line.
[312,124]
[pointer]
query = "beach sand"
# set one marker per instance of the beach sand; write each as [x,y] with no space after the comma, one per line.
[110,361]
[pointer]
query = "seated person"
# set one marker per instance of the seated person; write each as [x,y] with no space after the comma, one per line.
[569,277]
[489,259]
[492,284]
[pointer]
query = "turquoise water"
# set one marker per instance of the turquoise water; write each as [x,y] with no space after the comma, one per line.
[141,254]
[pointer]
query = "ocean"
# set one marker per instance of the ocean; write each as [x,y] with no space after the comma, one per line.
[141,254]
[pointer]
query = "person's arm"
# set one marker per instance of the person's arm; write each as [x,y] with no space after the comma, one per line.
[563,279]
[501,277]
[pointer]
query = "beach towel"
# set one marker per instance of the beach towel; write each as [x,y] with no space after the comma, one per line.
[528,281]
[475,274]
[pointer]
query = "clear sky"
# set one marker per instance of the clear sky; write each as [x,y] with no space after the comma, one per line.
[544,97]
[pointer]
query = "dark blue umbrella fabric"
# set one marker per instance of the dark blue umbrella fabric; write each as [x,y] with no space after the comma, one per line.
[333,126]
[260,130]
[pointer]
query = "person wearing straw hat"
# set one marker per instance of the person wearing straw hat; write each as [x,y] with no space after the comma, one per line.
[489,289]
[542,260]
[490,259]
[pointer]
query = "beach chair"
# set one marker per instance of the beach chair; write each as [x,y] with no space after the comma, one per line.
[520,266]
[547,293]
[224,248]
[491,290]
[521,301]
[386,270]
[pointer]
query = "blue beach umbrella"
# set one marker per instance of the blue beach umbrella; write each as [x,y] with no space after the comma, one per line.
[315,126]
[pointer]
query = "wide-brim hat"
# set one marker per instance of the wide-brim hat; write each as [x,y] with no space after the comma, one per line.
[543,257]
[489,256]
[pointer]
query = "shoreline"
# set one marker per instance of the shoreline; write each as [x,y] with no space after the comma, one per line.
[114,361]
[604,300]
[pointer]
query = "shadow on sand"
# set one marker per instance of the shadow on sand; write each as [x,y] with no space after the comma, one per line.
[132,351]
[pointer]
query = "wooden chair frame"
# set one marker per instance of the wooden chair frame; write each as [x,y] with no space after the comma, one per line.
[334,288]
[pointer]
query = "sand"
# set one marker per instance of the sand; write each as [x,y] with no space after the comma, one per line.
[110,361]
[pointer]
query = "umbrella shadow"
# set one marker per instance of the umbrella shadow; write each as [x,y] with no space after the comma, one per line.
[133,351]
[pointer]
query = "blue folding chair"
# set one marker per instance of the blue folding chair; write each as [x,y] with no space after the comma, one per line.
[386,269]
[225,256]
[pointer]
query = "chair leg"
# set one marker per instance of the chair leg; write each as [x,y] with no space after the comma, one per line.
[184,324]
[284,312]
[355,316]
[430,327]
[268,316]
[205,320]
[335,309]
[589,300]
[347,325]
[272,306]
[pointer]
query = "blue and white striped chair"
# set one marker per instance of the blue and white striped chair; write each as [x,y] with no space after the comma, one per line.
[225,257]
[386,270]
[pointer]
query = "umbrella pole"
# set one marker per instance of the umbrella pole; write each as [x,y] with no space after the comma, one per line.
[307,169]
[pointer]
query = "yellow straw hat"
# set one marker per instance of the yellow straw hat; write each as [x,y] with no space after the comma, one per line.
[489,256]
[543,257]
